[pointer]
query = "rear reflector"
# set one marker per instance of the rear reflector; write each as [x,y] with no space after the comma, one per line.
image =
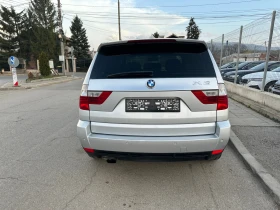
[89,150]
[96,98]
[217,152]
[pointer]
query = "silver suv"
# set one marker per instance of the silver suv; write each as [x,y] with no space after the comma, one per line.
[153,99]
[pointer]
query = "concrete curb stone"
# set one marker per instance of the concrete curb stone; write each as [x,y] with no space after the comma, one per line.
[39,85]
[48,79]
[267,180]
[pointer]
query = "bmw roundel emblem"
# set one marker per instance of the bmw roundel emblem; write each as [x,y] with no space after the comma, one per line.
[151,83]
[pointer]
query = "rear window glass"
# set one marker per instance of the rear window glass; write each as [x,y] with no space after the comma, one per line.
[251,65]
[162,60]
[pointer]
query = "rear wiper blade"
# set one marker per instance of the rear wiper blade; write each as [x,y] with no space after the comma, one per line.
[134,74]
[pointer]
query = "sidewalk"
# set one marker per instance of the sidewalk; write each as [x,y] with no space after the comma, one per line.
[38,83]
[260,135]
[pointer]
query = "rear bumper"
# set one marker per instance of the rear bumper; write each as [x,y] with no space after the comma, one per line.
[152,156]
[144,144]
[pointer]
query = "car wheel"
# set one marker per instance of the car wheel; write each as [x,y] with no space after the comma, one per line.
[269,86]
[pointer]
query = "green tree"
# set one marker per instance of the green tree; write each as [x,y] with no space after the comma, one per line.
[193,31]
[43,16]
[155,35]
[44,64]
[11,25]
[27,35]
[79,39]
[172,36]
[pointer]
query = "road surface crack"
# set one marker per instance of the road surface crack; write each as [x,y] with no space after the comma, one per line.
[84,189]
[12,178]
[210,187]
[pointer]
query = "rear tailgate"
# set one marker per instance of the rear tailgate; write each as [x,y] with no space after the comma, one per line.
[195,115]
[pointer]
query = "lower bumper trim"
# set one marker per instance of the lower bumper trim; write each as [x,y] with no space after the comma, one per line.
[151,156]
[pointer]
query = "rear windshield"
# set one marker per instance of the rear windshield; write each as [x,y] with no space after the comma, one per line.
[161,60]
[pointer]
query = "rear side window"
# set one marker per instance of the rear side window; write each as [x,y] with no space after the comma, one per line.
[161,60]
[251,65]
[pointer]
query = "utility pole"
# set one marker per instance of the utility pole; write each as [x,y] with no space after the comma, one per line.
[268,49]
[238,53]
[119,18]
[221,56]
[61,37]
[254,53]
[212,46]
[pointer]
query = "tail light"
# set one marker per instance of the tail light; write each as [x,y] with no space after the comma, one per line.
[217,152]
[222,98]
[218,97]
[92,97]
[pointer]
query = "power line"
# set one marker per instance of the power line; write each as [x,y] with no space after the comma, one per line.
[166,16]
[191,5]
[94,27]
[180,13]
[159,23]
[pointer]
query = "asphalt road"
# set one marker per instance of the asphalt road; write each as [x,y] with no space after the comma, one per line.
[8,78]
[42,166]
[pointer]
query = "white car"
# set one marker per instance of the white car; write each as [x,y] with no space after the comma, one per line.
[255,80]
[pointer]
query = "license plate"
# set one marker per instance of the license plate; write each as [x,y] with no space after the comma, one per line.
[152,105]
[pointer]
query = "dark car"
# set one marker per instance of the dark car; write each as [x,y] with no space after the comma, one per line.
[242,66]
[259,68]
[229,65]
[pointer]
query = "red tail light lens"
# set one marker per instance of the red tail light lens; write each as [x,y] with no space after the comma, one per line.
[221,100]
[222,103]
[84,103]
[89,150]
[217,152]
[100,99]
[96,98]
[203,98]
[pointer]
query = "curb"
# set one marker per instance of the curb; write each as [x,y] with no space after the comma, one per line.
[267,180]
[48,79]
[39,85]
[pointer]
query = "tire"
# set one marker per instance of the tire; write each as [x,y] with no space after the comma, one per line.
[268,85]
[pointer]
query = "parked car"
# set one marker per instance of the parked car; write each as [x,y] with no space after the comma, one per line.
[255,80]
[153,99]
[229,65]
[276,88]
[242,66]
[259,68]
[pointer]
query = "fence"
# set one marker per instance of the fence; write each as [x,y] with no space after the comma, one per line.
[258,40]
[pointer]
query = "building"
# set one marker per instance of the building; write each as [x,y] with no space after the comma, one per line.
[247,57]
